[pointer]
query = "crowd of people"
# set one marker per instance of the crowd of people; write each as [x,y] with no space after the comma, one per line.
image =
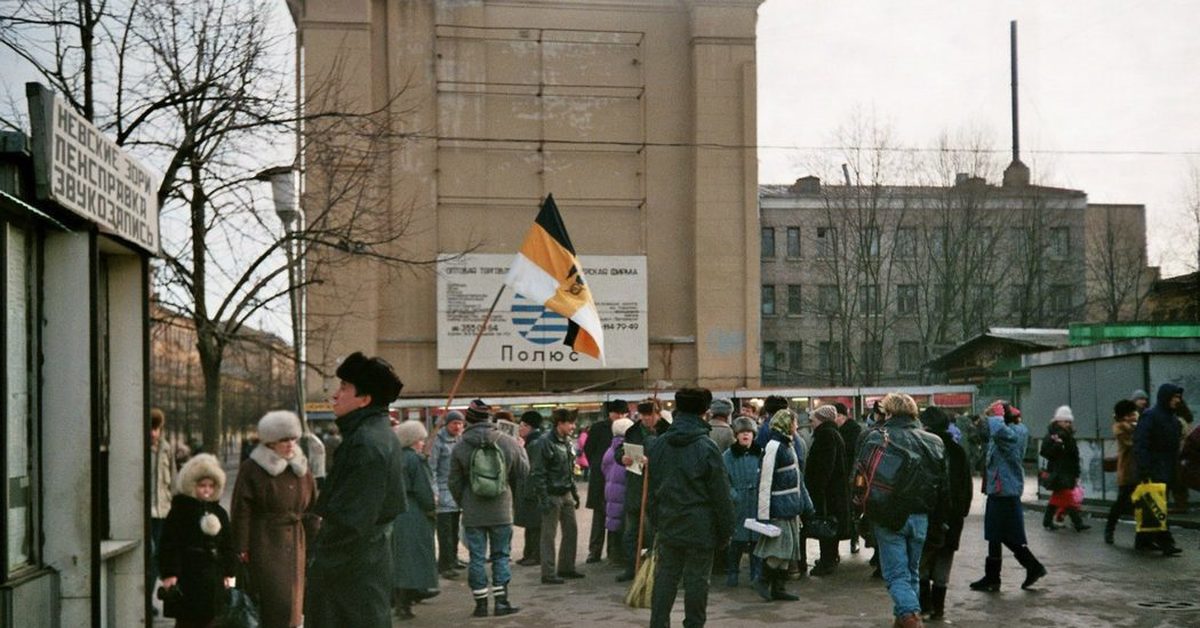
[690,494]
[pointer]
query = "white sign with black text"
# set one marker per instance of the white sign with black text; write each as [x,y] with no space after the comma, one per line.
[524,335]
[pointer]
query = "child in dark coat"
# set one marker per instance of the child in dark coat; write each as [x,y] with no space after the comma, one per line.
[1062,473]
[196,556]
[743,460]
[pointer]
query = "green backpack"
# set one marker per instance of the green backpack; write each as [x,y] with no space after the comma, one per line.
[489,471]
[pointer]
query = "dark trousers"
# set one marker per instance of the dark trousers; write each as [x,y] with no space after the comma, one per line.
[596,535]
[561,515]
[829,551]
[533,543]
[692,566]
[156,528]
[447,538]
[629,537]
[1122,506]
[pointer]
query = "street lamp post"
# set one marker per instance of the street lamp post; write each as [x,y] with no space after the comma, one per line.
[284,190]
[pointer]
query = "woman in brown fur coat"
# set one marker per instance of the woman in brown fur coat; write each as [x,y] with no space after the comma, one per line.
[272,500]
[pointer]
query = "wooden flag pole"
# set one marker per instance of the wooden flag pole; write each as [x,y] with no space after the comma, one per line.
[471,353]
[637,561]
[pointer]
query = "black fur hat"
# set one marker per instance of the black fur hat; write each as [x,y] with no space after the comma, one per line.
[371,376]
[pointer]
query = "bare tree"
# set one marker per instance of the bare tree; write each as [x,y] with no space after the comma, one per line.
[197,89]
[1117,275]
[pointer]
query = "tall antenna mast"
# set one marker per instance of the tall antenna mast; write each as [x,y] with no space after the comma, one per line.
[1017,173]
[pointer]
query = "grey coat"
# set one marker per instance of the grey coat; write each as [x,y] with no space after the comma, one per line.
[439,465]
[480,512]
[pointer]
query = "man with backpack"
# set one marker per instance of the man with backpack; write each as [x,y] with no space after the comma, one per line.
[901,488]
[484,470]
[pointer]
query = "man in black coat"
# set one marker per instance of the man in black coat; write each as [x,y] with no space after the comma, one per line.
[526,512]
[363,494]
[690,506]
[599,438]
[649,426]
[850,431]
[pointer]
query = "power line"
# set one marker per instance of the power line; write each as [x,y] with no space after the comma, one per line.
[617,144]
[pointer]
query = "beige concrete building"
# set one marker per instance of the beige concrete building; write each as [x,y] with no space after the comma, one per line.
[637,115]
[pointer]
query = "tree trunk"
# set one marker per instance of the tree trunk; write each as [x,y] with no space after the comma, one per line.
[212,415]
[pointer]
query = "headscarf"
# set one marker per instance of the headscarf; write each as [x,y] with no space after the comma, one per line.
[783,421]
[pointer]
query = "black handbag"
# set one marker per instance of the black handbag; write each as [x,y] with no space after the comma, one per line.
[824,527]
[238,610]
[172,599]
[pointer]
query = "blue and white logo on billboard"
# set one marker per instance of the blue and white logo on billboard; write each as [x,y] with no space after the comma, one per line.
[537,324]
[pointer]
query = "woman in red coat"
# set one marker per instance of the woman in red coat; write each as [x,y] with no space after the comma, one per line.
[272,500]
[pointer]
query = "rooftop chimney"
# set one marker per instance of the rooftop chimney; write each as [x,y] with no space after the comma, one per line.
[807,185]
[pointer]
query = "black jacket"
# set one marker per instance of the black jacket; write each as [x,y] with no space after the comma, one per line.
[826,478]
[688,499]
[850,431]
[525,509]
[638,434]
[599,438]
[199,560]
[363,493]
[551,467]
[961,490]
[1062,458]
[933,500]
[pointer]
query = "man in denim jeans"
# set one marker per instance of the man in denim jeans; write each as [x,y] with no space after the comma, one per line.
[487,521]
[900,548]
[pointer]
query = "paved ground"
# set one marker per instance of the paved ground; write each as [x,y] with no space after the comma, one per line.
[1090,584]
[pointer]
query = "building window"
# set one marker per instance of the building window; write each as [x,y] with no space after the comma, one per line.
[1017,299]
[768,300]
[827,299]
[793,242]
[793,302]
[770,362]
[829,357]
[939,241]
[826,242]
[906,243]
[1060,242]
[795,356]
[906,299]
[17,273]
[768,242]
[870,242]
[872,356]
[1061,299]
[1020,240]
[868,300]
[910,356]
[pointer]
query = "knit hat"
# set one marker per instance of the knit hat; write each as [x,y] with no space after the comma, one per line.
[452,416]
[278,425]
[1063,413]
[744,424]
[532,418]
[478,411]
[371,376]
[620,426]
[825,413]
[1139,394]
[409,432]
[721,407]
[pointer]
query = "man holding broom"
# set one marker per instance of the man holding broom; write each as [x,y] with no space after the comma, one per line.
[689,505]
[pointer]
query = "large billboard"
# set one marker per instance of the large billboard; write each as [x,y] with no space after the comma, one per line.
[523,335]
[81,169]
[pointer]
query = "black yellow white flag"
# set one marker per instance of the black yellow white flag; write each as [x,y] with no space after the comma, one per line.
[547,271]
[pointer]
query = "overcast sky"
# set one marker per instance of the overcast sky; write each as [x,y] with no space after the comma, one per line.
[1109,90]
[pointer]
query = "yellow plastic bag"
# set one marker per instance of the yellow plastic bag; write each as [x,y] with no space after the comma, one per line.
[643,583]
[1150,506]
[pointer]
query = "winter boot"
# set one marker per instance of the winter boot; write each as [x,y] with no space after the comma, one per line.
[909,620]
[1049,520]
[402,605]
[1109,529]
[991,576]
[1077,521]
[756,567]
[502,606]
[731,579]
[937,602]
[1034,570]
[763,584]
[777,590]
[480,607]
[923,596]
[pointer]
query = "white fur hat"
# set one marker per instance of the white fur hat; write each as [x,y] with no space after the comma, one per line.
[277,425]
[409,432]
[197,468]
[620,426]
[1063,413]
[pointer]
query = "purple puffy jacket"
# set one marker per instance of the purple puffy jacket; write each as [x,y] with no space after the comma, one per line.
[614,486]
